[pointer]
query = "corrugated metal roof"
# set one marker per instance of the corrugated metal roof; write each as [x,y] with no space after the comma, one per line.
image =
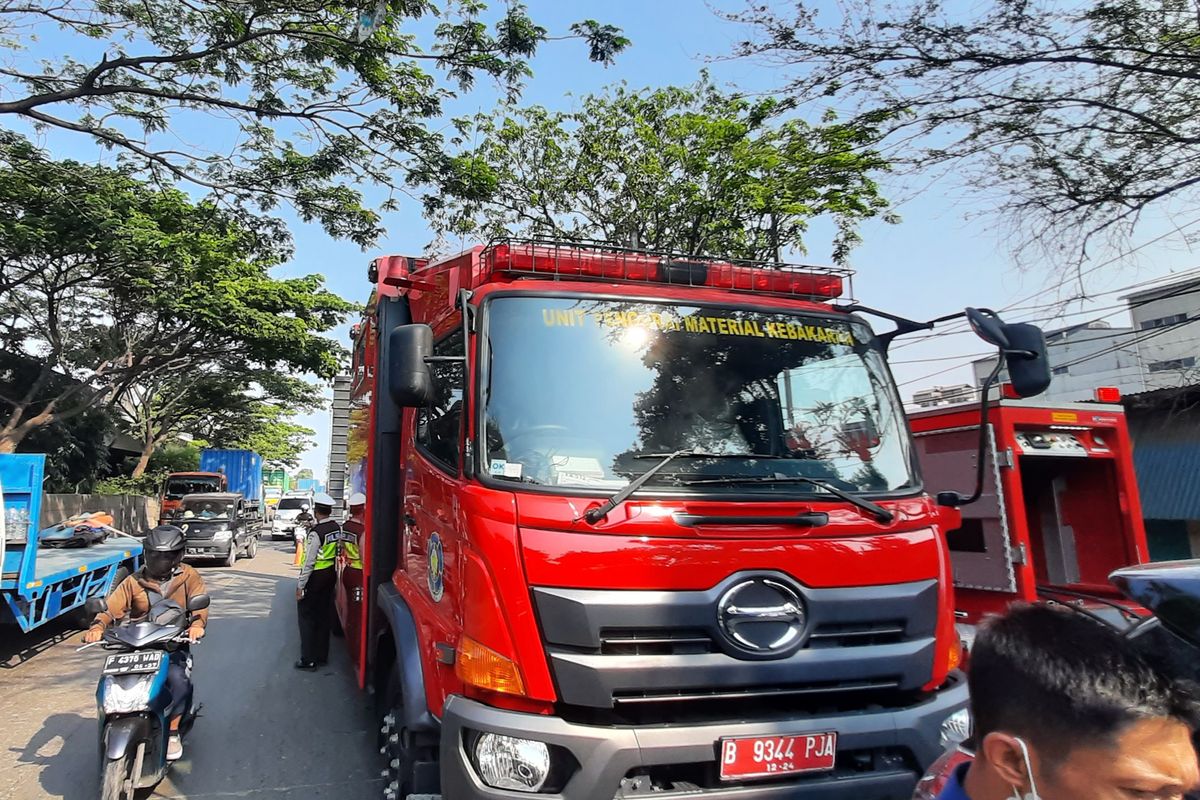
[1168,476]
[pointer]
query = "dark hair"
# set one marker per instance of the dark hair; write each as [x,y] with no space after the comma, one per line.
[1057,678]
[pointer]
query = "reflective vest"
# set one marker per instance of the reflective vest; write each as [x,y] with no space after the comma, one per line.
[334,540]
[350,543]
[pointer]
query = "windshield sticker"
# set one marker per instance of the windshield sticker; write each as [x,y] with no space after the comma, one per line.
[504,469]
[695,323]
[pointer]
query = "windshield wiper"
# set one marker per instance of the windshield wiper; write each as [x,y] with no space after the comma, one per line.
[594,515]
[879,512]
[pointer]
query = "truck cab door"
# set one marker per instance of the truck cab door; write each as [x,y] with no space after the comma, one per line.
[430,511]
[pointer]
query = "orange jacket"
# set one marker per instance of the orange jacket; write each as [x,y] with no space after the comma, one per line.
[130,598]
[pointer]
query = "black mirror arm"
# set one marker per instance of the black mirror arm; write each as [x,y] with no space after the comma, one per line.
[954,499]
[904,325]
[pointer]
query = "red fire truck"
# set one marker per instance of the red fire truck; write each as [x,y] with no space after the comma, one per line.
[645,524]
[1059,510]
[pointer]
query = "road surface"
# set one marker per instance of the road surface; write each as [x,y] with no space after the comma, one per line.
[268,731]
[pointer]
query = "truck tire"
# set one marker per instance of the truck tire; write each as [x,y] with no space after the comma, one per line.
[116,782]
[408,760]
[252,548]
[231,559]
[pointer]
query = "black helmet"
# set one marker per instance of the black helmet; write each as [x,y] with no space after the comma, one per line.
[163,550]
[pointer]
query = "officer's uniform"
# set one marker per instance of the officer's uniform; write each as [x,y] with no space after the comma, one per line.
[317,580]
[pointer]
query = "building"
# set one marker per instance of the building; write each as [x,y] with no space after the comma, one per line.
[1165,427]
[335,473]
[945,395]
[1167,340]
[1083,357]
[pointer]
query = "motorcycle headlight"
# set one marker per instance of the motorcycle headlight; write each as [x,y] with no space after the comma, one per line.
[126,696]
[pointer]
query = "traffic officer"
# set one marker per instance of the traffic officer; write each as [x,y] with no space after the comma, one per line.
[354,526]
[314,590]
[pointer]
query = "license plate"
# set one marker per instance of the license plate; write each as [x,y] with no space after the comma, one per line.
[764,756]
[129,663]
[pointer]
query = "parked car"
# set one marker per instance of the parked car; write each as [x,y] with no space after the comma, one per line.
[218,525]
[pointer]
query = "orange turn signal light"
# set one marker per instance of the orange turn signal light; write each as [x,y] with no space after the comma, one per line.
[483,667]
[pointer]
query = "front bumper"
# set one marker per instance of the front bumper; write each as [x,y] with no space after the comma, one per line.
[203,550]
[608,755]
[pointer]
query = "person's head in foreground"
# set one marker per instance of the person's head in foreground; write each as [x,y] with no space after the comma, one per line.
[1065,709]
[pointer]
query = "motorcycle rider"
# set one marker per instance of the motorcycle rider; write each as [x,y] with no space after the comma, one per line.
[164,576]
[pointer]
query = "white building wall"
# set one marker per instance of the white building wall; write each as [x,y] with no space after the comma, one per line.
[1167,321]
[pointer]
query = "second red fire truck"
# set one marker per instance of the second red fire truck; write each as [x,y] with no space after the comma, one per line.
[642,524]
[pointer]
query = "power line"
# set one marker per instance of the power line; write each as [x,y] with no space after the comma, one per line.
[1190,288]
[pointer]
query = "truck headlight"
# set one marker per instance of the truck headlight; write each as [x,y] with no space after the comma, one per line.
[955,729]
[223,535]
[133,695]
[507,762]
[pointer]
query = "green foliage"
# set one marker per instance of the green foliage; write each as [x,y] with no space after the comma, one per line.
[267,429]
[304,474]
[159,299]
[147,485]
[300,110]
[1074,118]
[692,170]
[175,457]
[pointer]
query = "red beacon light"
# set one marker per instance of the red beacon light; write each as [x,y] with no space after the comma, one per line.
[1108,394]
[577,261]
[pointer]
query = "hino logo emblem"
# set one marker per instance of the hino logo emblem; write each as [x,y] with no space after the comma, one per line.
[762,616]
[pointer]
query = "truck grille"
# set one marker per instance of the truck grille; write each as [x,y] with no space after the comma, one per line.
[615,648]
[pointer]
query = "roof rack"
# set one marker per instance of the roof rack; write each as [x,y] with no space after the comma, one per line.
[559,259]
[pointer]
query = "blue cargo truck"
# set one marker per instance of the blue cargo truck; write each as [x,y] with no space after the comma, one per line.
[39,584]
[243,471]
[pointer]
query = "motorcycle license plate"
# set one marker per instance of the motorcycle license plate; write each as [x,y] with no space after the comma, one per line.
[766,756]
[129,663]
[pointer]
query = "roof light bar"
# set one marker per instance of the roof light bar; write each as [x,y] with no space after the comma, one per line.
[569,260]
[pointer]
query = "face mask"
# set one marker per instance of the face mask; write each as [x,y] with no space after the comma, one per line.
[1033,792]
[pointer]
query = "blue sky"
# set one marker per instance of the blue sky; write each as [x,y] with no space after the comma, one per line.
[942,256]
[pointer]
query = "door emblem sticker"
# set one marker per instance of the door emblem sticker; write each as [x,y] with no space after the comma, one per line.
[437,566]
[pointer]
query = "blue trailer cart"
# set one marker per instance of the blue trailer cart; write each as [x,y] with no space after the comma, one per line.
[39,584]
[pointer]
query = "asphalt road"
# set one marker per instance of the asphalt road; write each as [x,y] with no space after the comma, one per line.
[267,730]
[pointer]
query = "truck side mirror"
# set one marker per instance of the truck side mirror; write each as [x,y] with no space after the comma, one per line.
[409,379]
[1026,359]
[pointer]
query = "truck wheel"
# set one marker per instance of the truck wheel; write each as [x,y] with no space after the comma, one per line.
[252,548]
[116,779]
[411,764]
[231,559]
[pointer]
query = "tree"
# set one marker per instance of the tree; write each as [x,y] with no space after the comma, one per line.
[163,405]
[304,474]
[304,104]
[689,169]
[168,288]
[1088,114]
[268,431]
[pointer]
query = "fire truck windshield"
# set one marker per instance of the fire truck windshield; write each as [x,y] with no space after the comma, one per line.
[579,390]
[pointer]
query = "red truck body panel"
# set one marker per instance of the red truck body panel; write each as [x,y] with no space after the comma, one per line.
[1067,505]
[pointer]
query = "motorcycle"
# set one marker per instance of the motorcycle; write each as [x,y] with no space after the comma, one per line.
[1170,633]
[132,696]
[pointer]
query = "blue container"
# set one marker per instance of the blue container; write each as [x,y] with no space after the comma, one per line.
[243,470]
[309,485]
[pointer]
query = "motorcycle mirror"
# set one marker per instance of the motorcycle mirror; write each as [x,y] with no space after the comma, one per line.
[1170,589]
[197,602]
[94,605]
